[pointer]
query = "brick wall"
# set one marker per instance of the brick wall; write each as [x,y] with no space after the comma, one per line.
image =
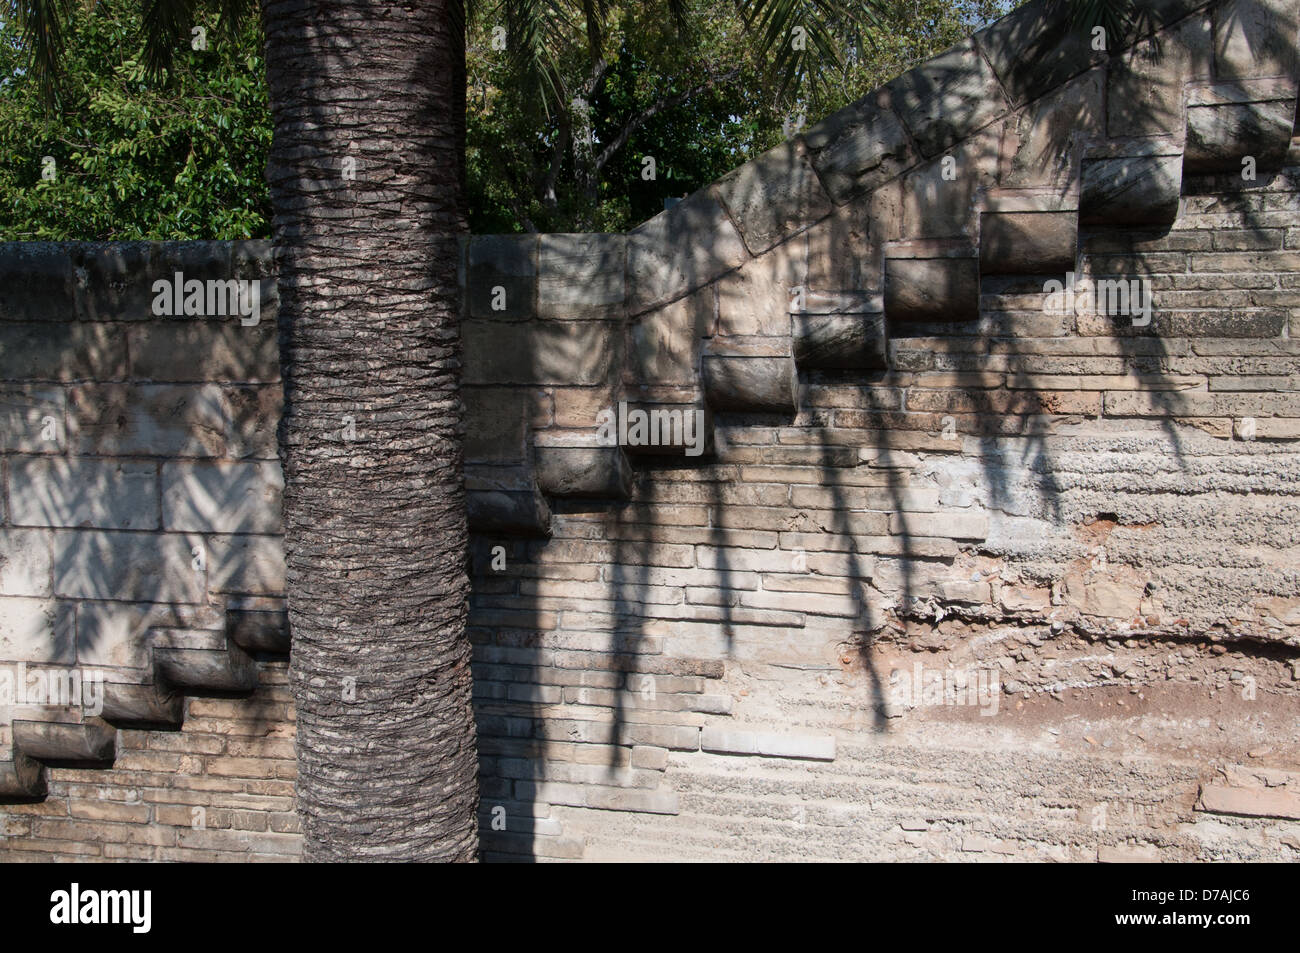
[959,575]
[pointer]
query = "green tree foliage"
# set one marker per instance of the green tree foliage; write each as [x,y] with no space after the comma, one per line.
[180,156]
[561,144]
[557,137]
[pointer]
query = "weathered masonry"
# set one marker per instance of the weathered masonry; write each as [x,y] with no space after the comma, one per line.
[992,550]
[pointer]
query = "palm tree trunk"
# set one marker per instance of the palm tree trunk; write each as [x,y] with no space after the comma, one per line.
[374,513]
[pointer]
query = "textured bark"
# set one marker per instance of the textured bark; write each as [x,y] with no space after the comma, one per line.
[375,529]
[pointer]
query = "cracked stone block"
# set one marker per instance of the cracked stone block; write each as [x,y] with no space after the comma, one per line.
[501,276]
[773,196]
[859,147]
[581,277]
[947,98]
[679,250]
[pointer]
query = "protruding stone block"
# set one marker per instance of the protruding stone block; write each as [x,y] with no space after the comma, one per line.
[584,470]
[1028,243]
[773,196]
[258,630]
[841,340]
[1229,121]
[671,430]
[207,670]
[143,706]
[514,512]
[94,741]
[755,384]
[21,779]
[1131,189]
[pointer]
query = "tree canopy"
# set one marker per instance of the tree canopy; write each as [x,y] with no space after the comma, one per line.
[563,109]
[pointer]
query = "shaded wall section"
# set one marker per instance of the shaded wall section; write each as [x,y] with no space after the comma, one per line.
[970,562]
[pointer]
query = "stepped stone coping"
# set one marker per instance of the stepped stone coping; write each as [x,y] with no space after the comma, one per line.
[1139,189]
[93,741]
[755,383]
[1228,121]
[147,705]
[21,779]
[204,670]
[842,341]
[574,463]
[259,630]
[515,512]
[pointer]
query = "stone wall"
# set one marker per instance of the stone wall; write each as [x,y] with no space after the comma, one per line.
[919,470]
